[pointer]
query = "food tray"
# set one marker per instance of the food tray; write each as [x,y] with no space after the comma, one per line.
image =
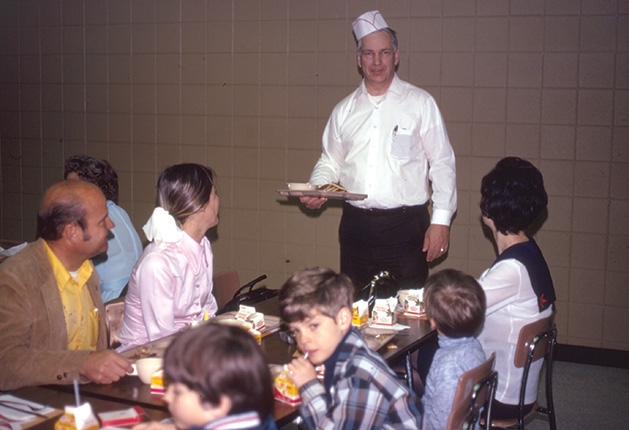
[402,314]
[320,193]
[145,351]
[24,417]
[272,323]
[376,342]
[377,338]
[158,347]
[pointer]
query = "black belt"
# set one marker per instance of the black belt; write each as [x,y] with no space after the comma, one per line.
[392,211]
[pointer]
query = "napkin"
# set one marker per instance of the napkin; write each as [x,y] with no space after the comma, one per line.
[13,250]
[13,415]
[387,329]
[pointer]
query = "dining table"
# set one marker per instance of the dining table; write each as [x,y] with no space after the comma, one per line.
[59,399]
[396,348]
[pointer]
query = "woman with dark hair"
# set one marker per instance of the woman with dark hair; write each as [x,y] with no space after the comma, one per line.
[171,284]
[218,378]
[124,246]
[518,285]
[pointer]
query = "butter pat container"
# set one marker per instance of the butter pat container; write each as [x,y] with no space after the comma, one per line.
[383,312]
[360,313]
[124,417]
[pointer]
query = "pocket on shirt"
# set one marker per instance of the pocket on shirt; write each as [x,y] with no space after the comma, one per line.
[402,143]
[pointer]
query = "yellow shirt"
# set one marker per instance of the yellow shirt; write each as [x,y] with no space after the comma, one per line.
[81,315]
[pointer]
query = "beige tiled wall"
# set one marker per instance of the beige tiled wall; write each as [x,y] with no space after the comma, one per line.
[246,86]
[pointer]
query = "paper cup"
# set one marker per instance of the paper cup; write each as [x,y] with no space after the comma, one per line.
[145,367]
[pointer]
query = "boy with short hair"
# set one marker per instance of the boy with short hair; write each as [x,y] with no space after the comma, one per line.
[217,378]
[359,388]
[455,305]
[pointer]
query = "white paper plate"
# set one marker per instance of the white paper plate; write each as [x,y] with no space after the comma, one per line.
[297,186]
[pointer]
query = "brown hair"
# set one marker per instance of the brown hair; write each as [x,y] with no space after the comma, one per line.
[319,289]
[216,360]
[184,189]
[98,172]
[456,302]
[62,204]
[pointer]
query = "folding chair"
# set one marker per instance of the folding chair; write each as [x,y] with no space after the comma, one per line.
[114,317]
[474,392]
[536,341]
[225,286]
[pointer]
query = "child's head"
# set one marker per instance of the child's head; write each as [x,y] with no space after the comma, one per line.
[213,371]
[317,306]
[455,303]
[318,289]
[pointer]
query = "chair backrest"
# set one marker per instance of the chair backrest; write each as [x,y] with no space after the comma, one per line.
[114,317]
[225,286]
[531,337]
[536,341]
[475,390]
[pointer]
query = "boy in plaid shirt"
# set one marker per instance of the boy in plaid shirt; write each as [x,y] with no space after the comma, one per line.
[359,389]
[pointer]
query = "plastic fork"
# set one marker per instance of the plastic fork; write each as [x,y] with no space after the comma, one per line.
[28,405]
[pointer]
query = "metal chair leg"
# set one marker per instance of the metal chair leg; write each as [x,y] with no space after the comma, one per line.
[409,372]
[550,406]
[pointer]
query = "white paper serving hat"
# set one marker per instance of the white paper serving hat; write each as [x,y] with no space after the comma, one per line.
[368,23]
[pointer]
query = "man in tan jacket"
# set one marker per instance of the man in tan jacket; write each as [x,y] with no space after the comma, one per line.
[52,327]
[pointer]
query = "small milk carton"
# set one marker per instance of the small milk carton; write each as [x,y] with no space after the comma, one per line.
[383,312]
[284,390]
[249,314]
[157,383]
[360,313]
[414,302]
[77,418]
[256,335]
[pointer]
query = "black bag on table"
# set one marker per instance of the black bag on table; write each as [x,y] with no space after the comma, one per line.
[382,286]
[247,295]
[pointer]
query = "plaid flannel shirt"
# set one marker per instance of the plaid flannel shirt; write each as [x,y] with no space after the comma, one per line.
[365,393]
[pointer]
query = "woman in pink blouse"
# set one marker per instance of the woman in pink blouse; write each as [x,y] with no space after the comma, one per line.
[171,284]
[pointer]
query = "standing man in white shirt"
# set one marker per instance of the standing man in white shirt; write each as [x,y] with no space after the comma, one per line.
[388,140]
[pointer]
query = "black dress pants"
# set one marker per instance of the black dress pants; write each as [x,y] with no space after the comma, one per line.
[373,240]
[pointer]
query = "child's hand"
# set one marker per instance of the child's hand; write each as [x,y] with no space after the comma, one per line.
[300,371]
